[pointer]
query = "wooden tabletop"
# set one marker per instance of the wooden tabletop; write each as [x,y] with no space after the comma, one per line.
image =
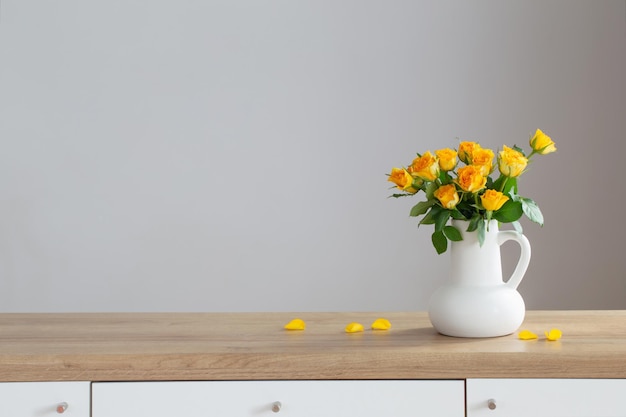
[255,346]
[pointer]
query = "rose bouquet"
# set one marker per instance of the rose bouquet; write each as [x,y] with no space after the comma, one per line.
[458,184]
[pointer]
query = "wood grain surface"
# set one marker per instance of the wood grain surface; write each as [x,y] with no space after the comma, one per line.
[254,346]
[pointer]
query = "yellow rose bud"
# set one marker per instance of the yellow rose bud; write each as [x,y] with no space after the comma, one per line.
[511,162]
[402,179]
[483,158]
[426,167]
[465,151]
[447,195]
[471,179]
[447,159]
[493,200]
[541,143]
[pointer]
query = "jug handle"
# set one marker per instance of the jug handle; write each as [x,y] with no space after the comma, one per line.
[524,259]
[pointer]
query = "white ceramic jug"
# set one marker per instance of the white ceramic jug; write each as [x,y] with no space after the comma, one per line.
[476,302]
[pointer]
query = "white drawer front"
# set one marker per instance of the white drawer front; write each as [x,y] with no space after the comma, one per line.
[547,397]
[43,399]
[288,398]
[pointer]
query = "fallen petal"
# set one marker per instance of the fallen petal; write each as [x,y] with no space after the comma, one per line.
[554,334]
[526,335]
[381,324]
[354,328]
[296,324]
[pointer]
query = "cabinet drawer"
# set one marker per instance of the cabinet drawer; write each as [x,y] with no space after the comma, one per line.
[43,399]
[546,397]
[279,398]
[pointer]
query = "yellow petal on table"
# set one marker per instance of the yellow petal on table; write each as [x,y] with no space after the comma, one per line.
[296,324]
[354,328]
[381,324]
[526,335]
[554,334]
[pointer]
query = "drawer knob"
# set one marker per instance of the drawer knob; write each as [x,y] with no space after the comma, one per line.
[61,407]
[276,405]
[491,403]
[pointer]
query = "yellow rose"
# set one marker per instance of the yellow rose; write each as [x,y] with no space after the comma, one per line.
[493,200]
[426,167]
[471,179]
[447,159]
[541,143]
[511,162]
[483,158]
[465,151]
[402,179]
[447,195]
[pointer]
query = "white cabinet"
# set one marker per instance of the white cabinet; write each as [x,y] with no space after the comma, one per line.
[546,397]
[279,398]
[400,398]
[44,399]
[403,398]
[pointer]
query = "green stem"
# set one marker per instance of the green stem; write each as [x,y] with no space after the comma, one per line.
[506,179]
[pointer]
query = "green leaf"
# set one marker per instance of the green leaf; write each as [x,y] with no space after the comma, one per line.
[481,232]
[430,217]
[430,189]
[452,233]
[518,227]
[498,183]
[457,215]
[440,242]
[421,207]
[506,185]
[466,209]
[511,211]
[510,187]
[531,210]
[400,195]
[473,224]
[441,219]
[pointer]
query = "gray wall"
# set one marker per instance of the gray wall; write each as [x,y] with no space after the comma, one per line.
[231,155]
